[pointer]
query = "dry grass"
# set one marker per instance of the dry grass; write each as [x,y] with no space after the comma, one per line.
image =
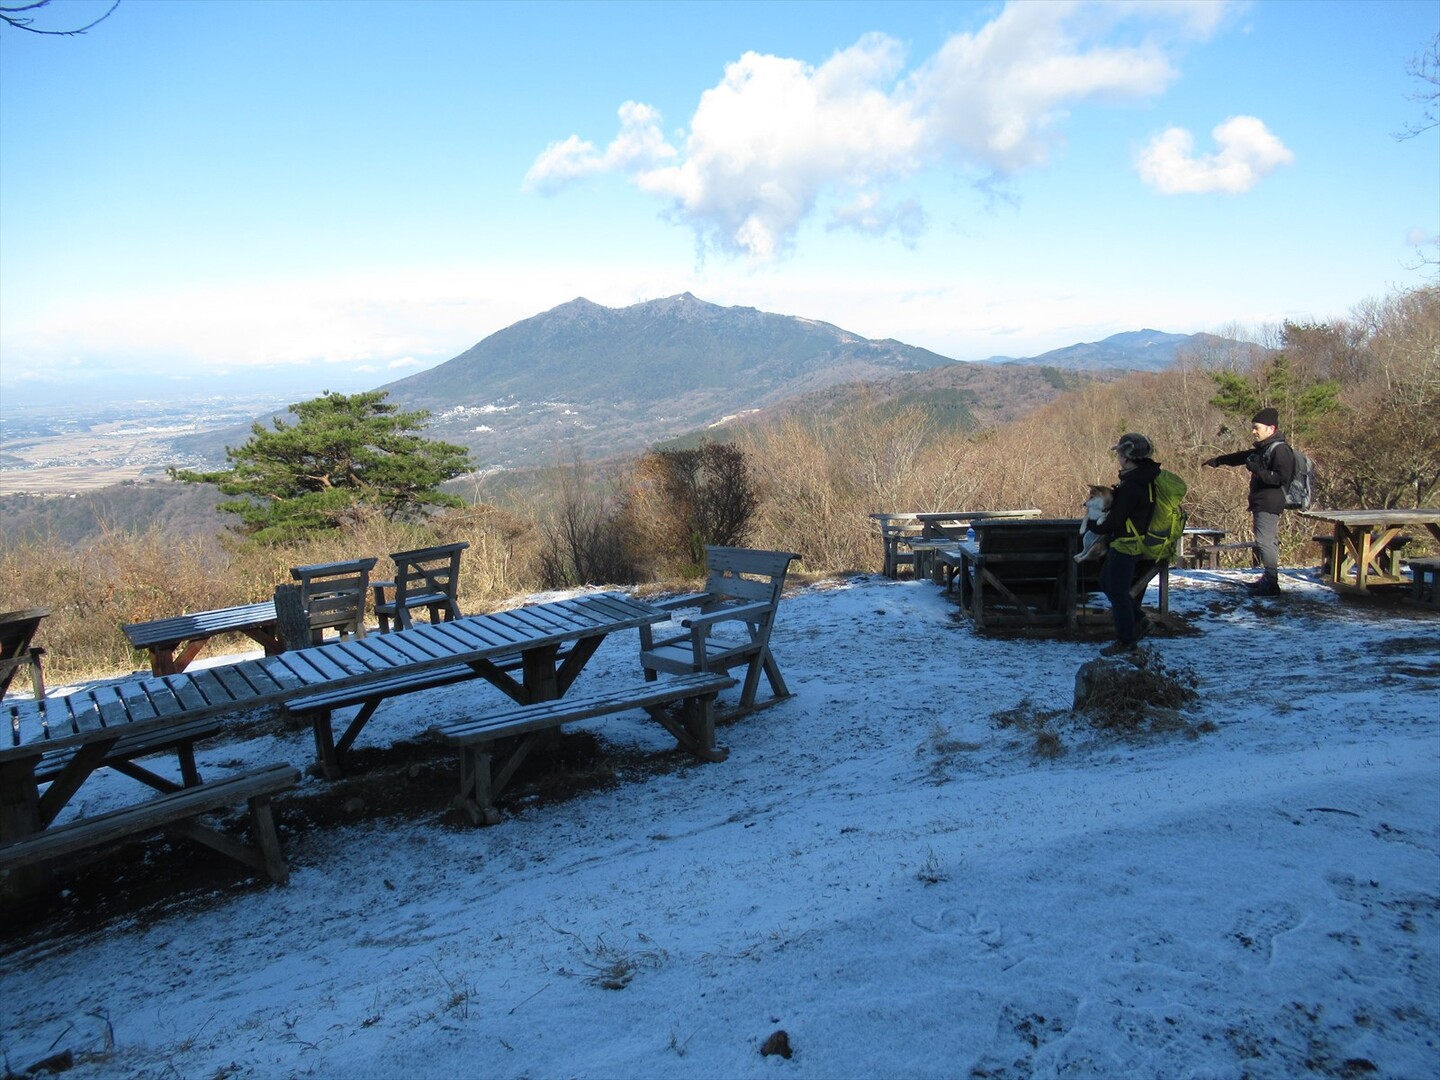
[1135,697]
[123,577]
[818,482]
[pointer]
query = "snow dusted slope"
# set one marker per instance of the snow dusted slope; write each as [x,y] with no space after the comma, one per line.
[879,869]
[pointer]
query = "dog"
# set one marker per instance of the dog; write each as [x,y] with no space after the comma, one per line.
[1092,544]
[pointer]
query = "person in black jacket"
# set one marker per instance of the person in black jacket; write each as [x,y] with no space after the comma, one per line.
[1124,525]
[1272,467]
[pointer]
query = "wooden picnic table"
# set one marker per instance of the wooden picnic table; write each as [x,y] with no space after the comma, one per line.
[1202,547]
[87,725]
[1367,545]
[954,524]
[1023,573]
[923,534]
[547,645]
[189,633]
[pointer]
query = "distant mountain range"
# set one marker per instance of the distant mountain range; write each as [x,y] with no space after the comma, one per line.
[587,379]
[1134,350]
[591,381]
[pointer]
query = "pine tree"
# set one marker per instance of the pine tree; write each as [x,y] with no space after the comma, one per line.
[345,457]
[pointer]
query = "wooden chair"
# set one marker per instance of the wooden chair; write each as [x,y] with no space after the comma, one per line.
[17,630]
[742,587]
[896,532]
[334,595]
[424,578]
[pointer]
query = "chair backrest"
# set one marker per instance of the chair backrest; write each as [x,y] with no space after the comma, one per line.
[428,572]
[333,594]
[17,630]
[747,574]
[896,525]
[1057,537]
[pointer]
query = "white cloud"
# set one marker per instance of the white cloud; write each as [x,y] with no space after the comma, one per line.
[998,98]
[639,145]
[778,138]
[1246,152]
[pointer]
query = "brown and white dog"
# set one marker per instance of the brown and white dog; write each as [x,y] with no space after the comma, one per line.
[1092,544]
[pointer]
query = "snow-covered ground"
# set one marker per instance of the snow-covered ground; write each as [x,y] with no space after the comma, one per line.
[880,869]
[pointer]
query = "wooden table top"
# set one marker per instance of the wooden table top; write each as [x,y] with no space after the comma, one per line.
[31,727]
[1421,516]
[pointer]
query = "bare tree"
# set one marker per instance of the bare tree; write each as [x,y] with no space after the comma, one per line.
[1425,67]
[21,16]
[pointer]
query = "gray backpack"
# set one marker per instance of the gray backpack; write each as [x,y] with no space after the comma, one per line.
[1300,491]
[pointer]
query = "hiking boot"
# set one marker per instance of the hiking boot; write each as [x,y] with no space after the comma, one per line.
[1118,648]
[1268,585]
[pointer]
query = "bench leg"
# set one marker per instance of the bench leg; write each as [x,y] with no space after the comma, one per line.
[262,825]
[477,786]
[20,816]
[327,761]
[264,857]
[695,731]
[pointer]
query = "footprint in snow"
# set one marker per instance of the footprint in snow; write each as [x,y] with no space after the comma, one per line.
[1257,928]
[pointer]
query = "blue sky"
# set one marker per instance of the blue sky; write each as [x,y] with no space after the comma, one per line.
[336,194]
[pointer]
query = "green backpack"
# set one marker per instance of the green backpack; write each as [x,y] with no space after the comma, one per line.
[1168,521]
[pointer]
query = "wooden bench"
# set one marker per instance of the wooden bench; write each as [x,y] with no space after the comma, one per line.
[1210,553]
[743,586]
[925,556]
[1426,574]
[1192,537]
[318,709]
[17,630]
[162,637]
[179,739]
[950,561]
[482,779]
[175,812]
[334,595]
[424,578]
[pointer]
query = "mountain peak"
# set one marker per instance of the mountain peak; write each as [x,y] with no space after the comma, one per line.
[625,377]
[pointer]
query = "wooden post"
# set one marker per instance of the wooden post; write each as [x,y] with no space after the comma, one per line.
[291,622]
[20,817]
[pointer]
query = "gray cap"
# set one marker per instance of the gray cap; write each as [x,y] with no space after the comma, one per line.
[1133,446]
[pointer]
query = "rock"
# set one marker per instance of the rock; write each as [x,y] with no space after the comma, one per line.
[777,1043]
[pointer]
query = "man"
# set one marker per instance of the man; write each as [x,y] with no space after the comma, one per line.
[1125,524]
[1272,467]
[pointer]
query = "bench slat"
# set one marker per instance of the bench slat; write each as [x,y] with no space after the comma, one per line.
[381,688]
[525,718]
[132,746]
[178,628]
[146,817]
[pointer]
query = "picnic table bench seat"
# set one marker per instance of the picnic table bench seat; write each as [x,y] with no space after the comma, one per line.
[1210,554]
[174,812]
[1425,572]
[482,779]
[179,739]
[318,708]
